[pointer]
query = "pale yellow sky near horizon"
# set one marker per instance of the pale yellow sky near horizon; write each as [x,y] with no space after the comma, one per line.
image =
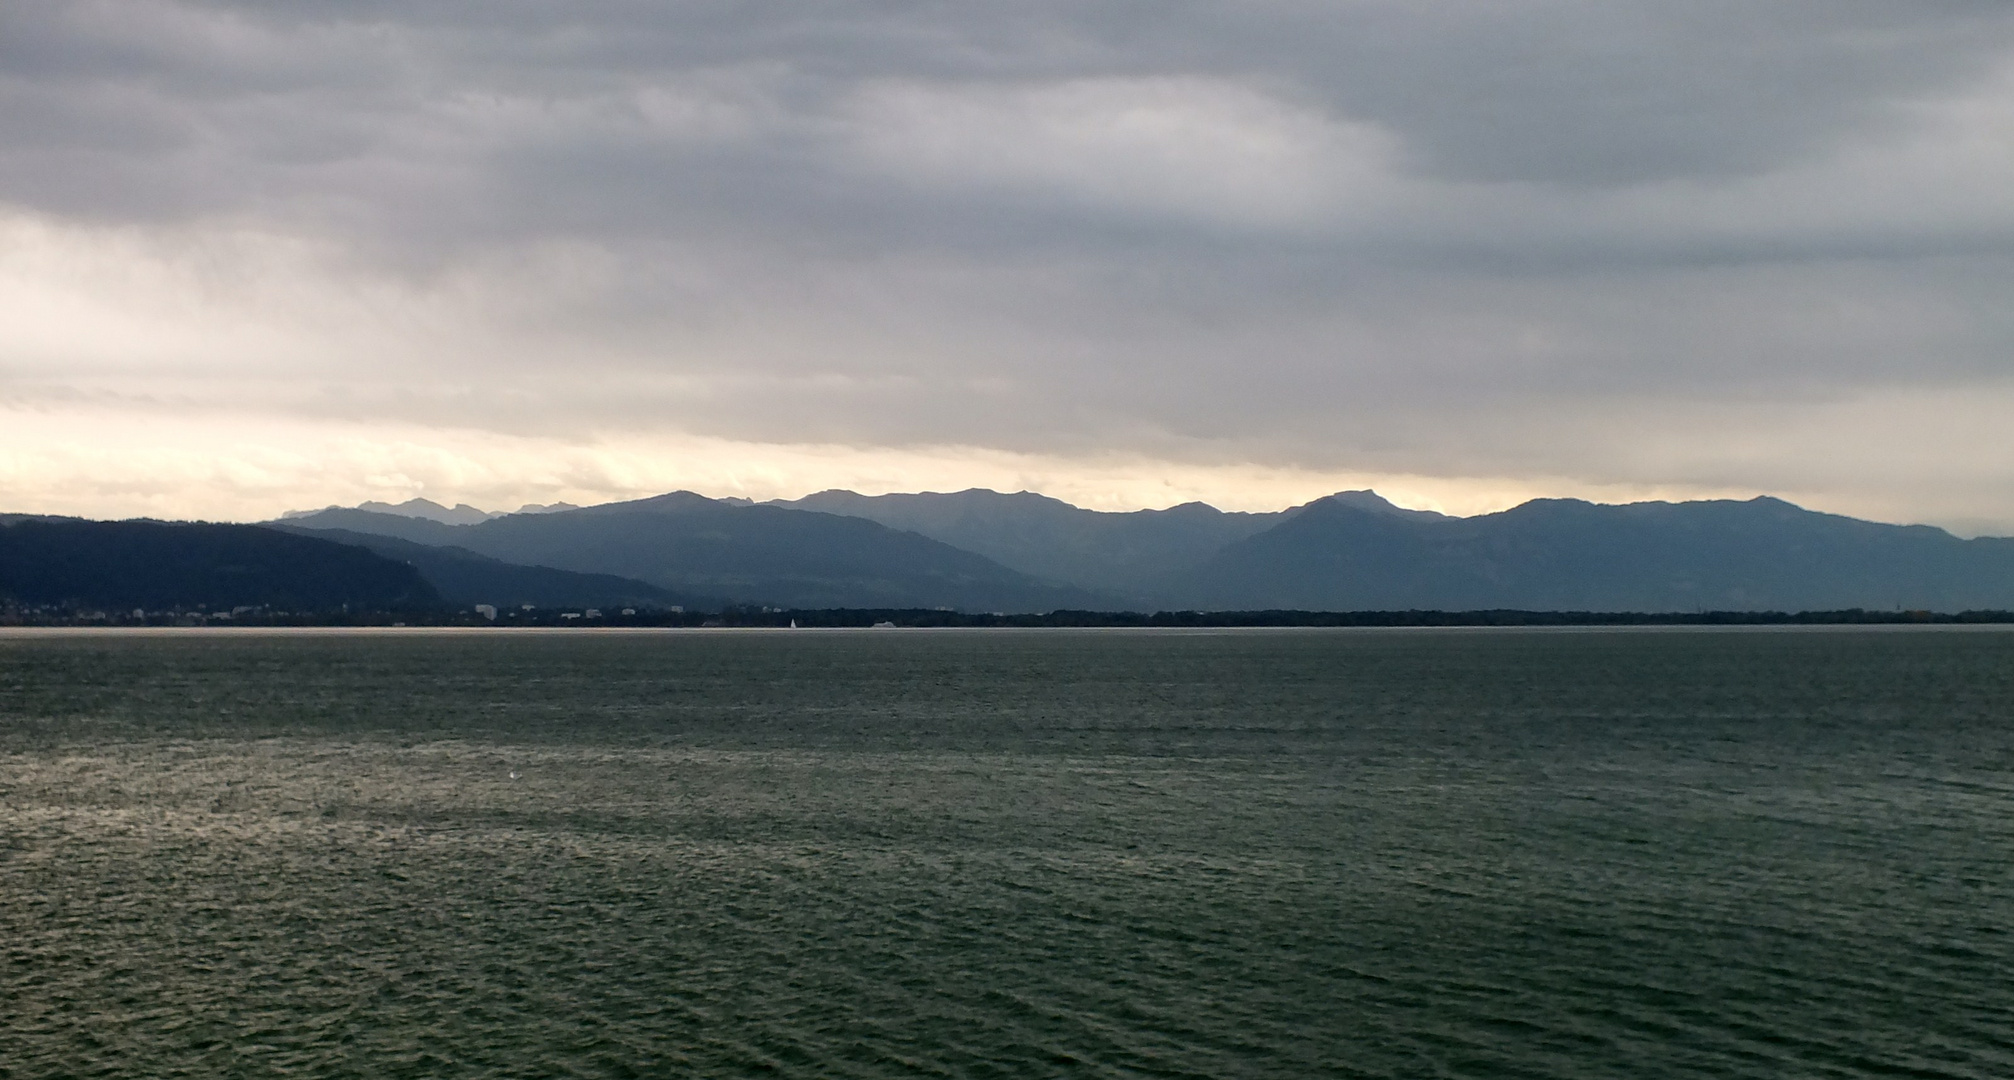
[108,463]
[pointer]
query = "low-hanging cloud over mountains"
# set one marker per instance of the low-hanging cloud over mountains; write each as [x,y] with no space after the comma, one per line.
[1518,248]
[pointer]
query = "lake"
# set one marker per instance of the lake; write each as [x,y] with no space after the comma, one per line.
[1384,853]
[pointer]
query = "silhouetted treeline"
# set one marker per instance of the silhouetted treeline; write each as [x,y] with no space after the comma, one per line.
[757,618]
[859,617]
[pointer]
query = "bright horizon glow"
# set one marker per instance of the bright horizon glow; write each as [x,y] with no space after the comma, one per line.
[109,464]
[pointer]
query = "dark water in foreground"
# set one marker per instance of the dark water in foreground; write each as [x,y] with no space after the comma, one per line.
[974,854]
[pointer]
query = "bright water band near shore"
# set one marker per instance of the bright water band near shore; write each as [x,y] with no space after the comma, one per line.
[1009,854]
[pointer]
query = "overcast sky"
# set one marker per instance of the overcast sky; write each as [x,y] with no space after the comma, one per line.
[256,257]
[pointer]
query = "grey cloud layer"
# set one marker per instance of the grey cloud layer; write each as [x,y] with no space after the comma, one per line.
[1434,236]
[589,111]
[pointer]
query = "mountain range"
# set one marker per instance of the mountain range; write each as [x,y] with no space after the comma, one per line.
[988,551]
[458,514]
[1131,552]
[984,551]
[752,554]
[1566,555]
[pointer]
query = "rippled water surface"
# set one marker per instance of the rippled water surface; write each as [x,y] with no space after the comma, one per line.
[1011,854]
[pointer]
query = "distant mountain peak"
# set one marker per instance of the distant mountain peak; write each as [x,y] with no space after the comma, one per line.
[458,514]
[670,501]
[1366,499]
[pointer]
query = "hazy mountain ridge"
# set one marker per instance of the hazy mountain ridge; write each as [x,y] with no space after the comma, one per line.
[750,554]
[429,510]
[1564,554]
[1049,538]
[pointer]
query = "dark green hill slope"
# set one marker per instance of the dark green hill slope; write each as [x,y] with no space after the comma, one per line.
[161,565]
[1564,554]
[465,578]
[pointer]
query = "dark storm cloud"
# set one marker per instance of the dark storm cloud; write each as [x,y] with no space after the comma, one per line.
[147,109]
